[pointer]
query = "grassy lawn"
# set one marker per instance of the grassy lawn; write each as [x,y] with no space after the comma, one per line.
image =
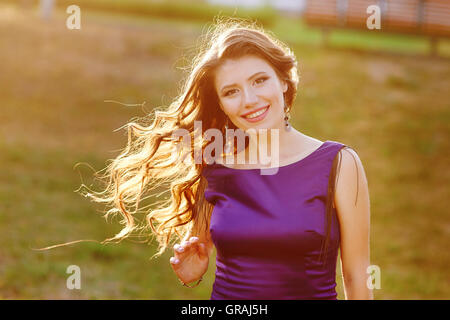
[393,109]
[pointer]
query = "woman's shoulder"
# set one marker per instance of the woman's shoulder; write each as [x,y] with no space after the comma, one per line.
[313,144]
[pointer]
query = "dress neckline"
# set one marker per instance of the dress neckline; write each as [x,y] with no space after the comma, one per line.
[279,167]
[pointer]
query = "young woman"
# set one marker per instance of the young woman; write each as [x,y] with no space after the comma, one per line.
[277,235]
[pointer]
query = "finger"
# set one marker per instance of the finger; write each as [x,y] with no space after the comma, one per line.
[179,252]
[178,248]
[184,250]
[188,245]
[195,245]
[185,244]
[193,240]
[191,245]
[174,261]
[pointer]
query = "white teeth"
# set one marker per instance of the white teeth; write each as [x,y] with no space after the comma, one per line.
[256,114]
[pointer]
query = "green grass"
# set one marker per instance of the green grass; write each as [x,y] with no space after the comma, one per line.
[182,9]
[392,109]
[296,31]
[290,29]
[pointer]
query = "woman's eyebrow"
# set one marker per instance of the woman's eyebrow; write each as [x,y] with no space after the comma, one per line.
[233,84]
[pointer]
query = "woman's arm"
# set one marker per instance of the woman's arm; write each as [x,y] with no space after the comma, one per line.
[353,209]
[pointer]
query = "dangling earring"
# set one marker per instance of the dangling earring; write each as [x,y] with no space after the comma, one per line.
[227,148]
[287,116]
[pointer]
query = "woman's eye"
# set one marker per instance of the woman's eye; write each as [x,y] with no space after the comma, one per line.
[257,80]
[228,92]
[263,78]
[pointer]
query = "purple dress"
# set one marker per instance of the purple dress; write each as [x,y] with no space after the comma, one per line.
[268,230]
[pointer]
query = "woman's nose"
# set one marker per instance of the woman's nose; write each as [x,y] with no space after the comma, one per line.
[250,97]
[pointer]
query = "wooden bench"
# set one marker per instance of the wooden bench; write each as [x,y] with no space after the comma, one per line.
[429,18]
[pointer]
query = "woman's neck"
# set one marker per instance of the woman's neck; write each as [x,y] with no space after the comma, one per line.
[274,146]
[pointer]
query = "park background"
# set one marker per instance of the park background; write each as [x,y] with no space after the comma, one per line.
[382,94]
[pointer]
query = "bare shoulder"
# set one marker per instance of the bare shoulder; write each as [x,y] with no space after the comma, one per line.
[351,185]
[349,158]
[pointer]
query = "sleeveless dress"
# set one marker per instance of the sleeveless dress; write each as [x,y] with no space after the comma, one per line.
[268,230]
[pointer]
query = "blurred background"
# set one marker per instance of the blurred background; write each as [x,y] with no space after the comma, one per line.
[384,92]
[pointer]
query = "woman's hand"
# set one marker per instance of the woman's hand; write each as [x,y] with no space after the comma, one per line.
[191,260]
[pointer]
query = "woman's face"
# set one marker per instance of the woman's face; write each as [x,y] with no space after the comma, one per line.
[250,93]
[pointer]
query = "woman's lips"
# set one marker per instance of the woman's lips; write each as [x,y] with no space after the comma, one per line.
[260,117]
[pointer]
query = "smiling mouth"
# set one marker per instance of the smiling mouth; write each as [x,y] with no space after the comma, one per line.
[256,113]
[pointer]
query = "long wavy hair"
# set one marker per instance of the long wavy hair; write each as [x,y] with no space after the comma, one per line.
[147,162]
